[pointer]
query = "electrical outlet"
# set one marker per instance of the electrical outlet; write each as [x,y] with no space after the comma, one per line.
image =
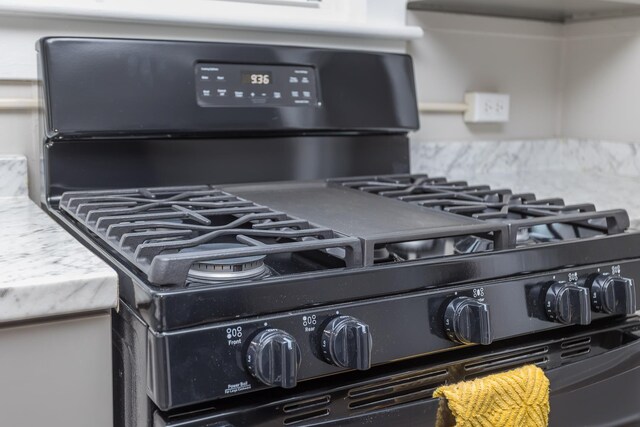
[486,107]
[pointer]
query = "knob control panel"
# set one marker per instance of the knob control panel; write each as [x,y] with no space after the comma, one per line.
[466,320]
[289,347]
[273,357]
[347,342]
[567,303]
[611,294]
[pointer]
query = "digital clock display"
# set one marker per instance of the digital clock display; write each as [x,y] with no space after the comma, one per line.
[256,78]
[256,85]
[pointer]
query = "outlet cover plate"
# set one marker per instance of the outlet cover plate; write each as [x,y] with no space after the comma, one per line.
[484,107]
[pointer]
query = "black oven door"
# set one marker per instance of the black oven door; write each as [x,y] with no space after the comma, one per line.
[599,391]
[594,375]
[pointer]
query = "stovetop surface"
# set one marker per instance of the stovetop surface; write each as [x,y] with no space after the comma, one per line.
[357,214]
[227,251]
[249,232]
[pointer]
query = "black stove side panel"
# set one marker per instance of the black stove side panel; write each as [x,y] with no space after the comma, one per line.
[131,406]
[109,164]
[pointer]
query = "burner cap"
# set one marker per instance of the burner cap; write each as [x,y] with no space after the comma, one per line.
[228,268]
[381,254]
[416,249]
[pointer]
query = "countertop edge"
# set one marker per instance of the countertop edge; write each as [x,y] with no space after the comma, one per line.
[47,272]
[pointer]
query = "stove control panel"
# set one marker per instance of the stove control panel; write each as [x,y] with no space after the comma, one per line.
[252,85]
[284,349]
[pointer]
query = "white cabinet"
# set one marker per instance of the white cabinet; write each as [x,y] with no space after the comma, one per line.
[57,373]
[542,10]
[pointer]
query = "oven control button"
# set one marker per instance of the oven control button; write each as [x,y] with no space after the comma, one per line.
[567,303]
[273,357]
[611,294]
[466,320]
[346,342]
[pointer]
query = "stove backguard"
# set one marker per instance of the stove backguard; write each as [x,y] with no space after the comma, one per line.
[131,163]
[145,113]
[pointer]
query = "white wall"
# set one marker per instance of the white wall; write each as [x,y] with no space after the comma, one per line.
[357,24]
[459,53]
[602,80]
[579,80]
[363,24]
[19,128]
[16,126]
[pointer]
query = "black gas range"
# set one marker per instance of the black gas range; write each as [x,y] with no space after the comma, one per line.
[274,252]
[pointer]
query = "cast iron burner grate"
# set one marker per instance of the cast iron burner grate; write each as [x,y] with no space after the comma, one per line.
[530,220]
[178,233]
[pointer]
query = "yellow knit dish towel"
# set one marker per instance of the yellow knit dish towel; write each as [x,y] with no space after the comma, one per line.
[518,398]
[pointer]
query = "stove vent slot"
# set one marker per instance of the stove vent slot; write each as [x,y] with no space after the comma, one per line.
[576,348]
[396,390]
[575,353]
[305,417]
[305,405]
[305,410]
[576,343]
[536,356]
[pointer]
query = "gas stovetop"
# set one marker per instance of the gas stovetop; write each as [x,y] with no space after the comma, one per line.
[189,236]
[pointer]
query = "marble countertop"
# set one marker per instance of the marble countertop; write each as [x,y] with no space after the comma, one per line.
[605,173]
[13,175]
[605,191]
[45,271]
